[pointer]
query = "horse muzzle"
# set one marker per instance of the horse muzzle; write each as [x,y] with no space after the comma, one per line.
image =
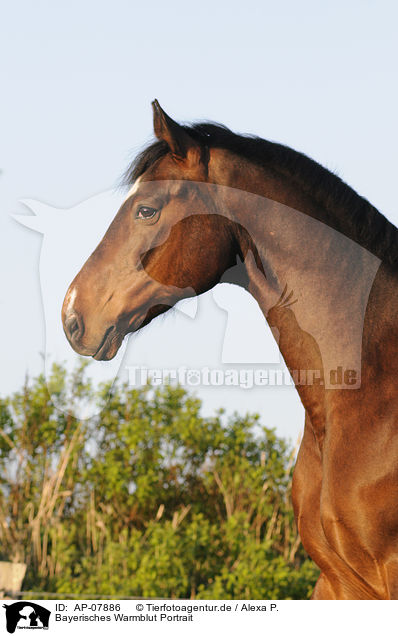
[104,348]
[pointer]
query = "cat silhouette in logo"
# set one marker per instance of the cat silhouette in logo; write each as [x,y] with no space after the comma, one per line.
[19,613]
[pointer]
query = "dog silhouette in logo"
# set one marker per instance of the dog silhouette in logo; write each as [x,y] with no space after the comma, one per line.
[26,614]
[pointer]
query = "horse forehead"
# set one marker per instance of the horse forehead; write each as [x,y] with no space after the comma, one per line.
[167,187]
[133,188]
[149,184]
[181,187]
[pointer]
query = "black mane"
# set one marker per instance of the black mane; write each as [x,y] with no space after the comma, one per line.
[347,212]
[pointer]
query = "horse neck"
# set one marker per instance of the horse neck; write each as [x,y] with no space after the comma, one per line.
[292,255]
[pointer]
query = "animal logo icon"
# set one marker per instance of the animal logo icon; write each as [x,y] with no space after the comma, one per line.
[25,614]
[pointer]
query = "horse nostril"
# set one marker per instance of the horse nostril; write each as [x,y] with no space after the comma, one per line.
[74,327]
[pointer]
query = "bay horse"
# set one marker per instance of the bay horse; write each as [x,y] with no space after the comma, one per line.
[207,205]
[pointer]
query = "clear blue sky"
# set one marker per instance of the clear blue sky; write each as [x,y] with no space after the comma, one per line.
[77,81]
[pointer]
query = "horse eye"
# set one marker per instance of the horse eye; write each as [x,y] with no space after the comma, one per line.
[145,212]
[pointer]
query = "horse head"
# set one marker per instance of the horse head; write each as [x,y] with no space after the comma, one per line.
[159,249]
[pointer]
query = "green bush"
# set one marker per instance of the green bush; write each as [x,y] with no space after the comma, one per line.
[147,499]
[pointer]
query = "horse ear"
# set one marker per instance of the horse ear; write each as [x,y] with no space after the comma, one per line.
[178,140]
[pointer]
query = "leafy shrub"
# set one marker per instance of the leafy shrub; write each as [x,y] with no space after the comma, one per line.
[146,499]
